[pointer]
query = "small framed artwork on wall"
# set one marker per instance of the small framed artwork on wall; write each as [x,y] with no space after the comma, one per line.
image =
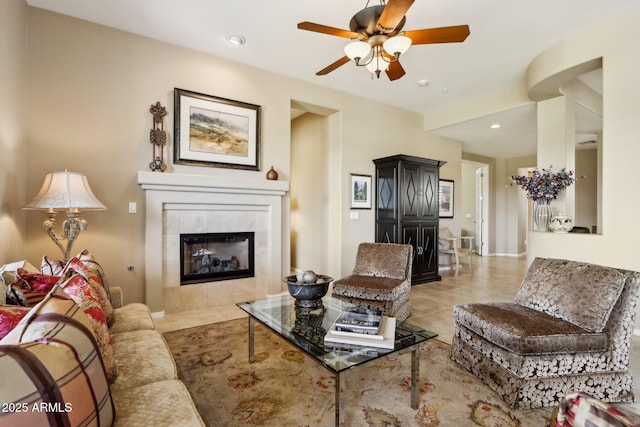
[445,199]
[360,191]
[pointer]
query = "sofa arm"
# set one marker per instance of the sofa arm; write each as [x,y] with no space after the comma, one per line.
[117,298]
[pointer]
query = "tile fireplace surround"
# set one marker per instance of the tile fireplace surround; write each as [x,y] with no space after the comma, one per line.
[183,203]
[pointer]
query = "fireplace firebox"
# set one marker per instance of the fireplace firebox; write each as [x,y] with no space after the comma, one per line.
[210,257]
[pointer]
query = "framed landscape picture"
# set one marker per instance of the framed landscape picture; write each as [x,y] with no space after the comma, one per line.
[217,132]
[360,191]
[445,199]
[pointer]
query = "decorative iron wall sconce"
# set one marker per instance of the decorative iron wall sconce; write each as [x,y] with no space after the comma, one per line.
[158,137]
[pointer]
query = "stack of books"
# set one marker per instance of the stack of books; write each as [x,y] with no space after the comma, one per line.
[363,327]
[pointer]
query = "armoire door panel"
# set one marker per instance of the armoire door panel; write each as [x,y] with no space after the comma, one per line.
[386,232]
[386,197]
[428,234]
[410,196]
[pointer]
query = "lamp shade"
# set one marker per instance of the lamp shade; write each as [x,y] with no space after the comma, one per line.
[397,45]
[357,50]
[65,191]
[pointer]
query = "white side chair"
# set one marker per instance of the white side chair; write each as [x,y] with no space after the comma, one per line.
[448,245]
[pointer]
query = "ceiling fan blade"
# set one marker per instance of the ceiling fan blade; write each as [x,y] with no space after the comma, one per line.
[340,62]
[318,28]
[395,71]
[457,33]
[393,13]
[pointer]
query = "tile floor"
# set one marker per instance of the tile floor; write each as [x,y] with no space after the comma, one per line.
[494,279]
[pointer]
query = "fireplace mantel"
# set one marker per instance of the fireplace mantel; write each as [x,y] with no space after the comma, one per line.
[209,183]
[177,192]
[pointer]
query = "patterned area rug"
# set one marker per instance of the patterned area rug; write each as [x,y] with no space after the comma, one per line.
[284,387]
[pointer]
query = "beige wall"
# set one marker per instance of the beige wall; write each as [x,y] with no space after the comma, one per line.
[13,161]
[89,93]
[586,188]
[309,193]
[615,43]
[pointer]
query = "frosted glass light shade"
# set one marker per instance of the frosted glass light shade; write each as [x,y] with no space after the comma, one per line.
[65,191]
[357,50]
[377,64]
[397,45]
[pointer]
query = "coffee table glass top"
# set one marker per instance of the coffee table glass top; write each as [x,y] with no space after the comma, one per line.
[306,329]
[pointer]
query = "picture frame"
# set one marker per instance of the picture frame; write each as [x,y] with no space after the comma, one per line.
[360,191]
[445,198]
[215,132]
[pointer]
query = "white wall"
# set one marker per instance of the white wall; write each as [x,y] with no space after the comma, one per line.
[467,206]
[614,42]
[13,160]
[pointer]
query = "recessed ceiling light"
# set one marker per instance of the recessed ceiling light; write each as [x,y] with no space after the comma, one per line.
[236,39]
[423,82]
[445,90]
[495,126]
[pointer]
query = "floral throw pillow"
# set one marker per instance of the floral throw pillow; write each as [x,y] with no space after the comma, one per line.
[81,291]
[89,260]
[36,281]
[94,280]
[10,316]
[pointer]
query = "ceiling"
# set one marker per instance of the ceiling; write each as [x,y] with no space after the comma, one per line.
[505,36]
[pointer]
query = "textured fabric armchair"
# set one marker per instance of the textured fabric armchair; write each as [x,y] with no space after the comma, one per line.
[381,279]
[569,328]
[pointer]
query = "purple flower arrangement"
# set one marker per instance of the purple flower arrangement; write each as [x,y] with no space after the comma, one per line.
[544,187]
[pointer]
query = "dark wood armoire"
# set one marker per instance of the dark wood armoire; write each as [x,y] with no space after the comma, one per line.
[407,209]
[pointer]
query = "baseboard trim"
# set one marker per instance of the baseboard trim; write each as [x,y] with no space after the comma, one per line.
[509,255]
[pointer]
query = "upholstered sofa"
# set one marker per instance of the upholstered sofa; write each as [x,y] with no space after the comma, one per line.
[53,375]
[568,328]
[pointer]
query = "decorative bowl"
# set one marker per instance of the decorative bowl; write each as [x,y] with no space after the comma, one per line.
[308,294]
[561,224]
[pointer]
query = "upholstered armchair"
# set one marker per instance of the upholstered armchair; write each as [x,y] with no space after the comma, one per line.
[381,279]
[569,328]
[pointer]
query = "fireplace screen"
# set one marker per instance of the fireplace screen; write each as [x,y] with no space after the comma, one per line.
[210,257]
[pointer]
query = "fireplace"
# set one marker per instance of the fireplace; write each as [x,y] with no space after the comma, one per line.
[179,203]
[209,257]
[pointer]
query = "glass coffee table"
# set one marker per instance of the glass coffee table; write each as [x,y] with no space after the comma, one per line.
[305,329]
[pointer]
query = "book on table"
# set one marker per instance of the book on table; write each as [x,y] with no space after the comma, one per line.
[359,320]
[378,334]
[387,333]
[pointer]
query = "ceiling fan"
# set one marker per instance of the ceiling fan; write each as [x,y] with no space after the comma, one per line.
[379,40]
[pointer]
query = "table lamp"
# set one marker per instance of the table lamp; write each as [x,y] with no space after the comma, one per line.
[68,192]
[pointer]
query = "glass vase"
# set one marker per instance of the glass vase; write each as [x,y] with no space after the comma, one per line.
[542,214]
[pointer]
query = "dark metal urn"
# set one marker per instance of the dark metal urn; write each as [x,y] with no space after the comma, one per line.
[308,294]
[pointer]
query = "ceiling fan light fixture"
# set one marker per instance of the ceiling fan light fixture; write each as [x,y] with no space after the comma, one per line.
[397,45]
[357,50]
[377,38]
[377,64]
